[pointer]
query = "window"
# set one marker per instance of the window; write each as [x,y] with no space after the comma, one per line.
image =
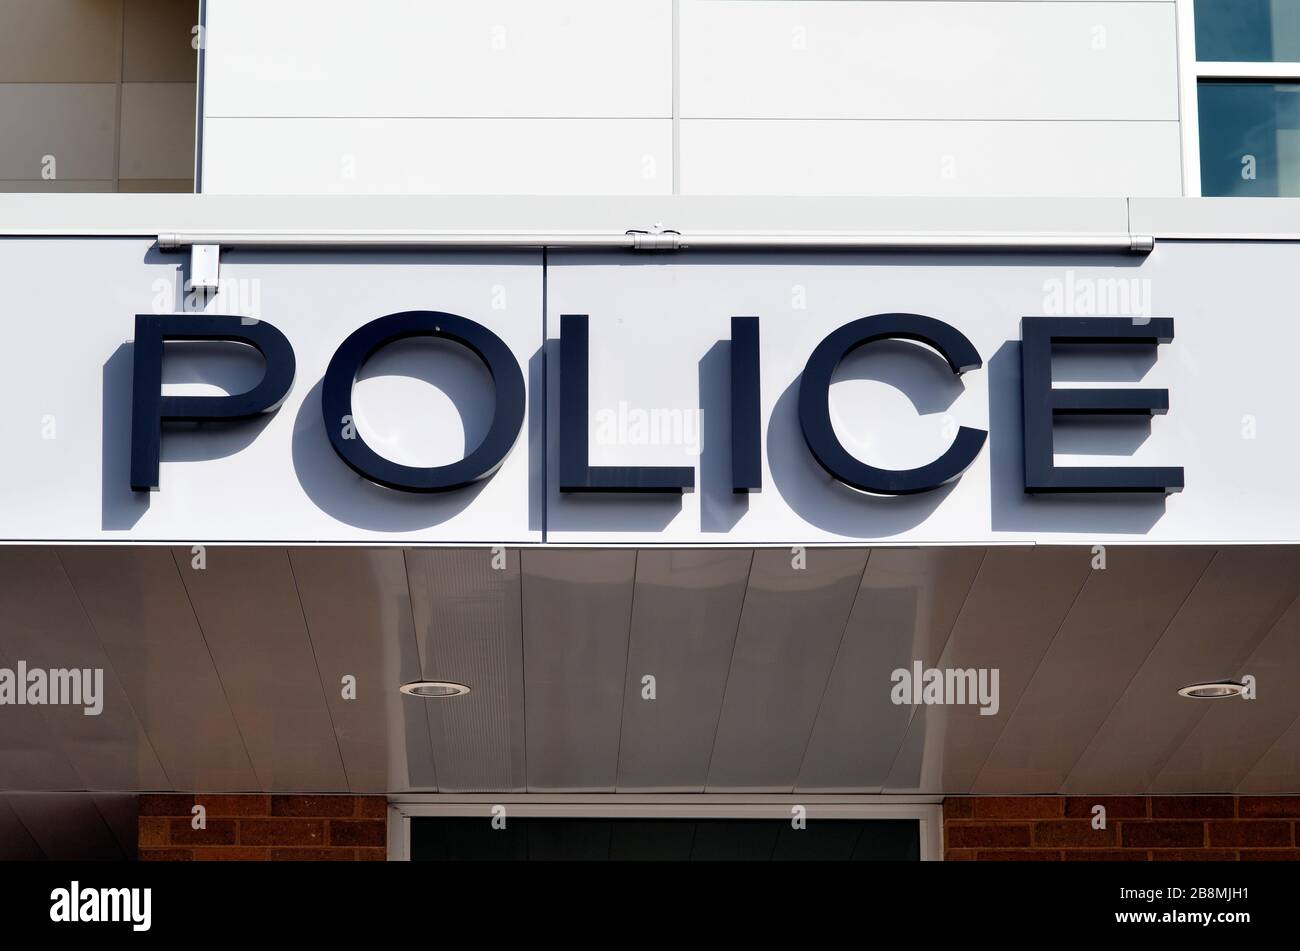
[1248,96]
[1250,31]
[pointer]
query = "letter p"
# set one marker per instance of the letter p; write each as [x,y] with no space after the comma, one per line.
[150,409]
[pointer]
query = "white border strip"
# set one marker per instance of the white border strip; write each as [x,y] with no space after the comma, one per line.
[1189,121]
[644,241]
[1279,72]
[927,810]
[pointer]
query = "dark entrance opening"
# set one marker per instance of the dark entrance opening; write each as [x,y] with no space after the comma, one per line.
[534,839]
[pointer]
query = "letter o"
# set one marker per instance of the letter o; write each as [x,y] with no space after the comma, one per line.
[483,460]
[815,414]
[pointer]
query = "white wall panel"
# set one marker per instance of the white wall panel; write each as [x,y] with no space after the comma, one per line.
[930,60]
[882,157]
[367,155]
[468,58]
[577,96]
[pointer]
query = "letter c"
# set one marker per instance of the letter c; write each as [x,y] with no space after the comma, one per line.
[815,415]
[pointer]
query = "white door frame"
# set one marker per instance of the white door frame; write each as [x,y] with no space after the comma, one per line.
[927,810]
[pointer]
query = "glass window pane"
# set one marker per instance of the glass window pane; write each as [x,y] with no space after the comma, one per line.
[1250,138]
[1257,31]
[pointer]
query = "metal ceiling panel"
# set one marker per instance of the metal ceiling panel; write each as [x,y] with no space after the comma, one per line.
[905,610]
[358,611]
[467,624]
[247,605]
[16,843]
[1015,607]
[685,614]
[1117,618]
[121,813]
[577,605]
[796,607]
[1233,735]
[138,606]
[768,676]
[1278,770]
[30,757]
[1229,612]
[66,826]
[42,623]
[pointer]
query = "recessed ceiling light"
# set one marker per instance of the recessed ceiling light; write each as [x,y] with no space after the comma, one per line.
[433,689]
[1215,690]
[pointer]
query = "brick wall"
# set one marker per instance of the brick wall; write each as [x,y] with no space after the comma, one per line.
[263,828]
[1138,828]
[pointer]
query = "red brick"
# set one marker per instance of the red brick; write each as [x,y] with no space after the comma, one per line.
[1117,807]
[154,830]
[1011,855]
[1105,855]
[1019,807]
[281,832]
[156,805]
[1272,855]
[959,807]
[1252,833]
[372,855]
[1073,833]
[988,835]
[371,807]
[313,855]
[217,832]
[1192,807]
[1269,807]
[1162,835]
[236,854]
[235,806]
[164,855]
[1193,855]
[959,855]
[358,832]
[319,807]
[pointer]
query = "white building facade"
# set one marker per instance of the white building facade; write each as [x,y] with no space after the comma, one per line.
[679,377]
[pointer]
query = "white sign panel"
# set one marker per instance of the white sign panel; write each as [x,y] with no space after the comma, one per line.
[1229,371]
[70,314]
[659,384]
